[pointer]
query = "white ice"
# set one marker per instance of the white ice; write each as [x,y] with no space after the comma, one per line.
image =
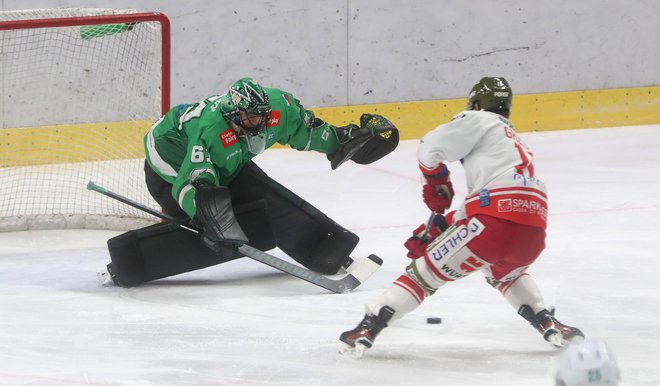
[243,323]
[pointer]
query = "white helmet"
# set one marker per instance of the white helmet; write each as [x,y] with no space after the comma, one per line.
[587,363]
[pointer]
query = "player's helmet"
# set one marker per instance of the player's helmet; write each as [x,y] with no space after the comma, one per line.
[247,106]
[587,363]
[492,94]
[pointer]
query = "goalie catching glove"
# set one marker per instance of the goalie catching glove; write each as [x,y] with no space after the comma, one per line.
[437,191]
[216,216]
[372,140]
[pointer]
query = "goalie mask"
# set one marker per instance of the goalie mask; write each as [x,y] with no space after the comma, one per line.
[248,108]
[491,94]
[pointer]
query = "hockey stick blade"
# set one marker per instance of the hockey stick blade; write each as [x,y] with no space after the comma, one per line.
[359,271]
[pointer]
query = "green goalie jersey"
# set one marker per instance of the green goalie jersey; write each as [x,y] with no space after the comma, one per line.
[195,142]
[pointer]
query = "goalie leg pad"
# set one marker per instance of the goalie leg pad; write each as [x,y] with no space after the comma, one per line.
[159,251]
[270,216]
[164,250]
[301,231]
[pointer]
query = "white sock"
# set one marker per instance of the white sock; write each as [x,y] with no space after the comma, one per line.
[523,290]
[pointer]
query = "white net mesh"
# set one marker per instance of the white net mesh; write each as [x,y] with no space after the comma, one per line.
[75,105]
[52,13]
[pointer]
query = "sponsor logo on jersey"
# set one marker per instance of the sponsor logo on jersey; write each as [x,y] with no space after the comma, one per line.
[235,152]
[454,239]
[533,182]
[228,137]
[470,264]
[522,205]
[275,118]
[449,272]
[504,205]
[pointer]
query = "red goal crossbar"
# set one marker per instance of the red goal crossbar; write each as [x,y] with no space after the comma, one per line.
[111,19]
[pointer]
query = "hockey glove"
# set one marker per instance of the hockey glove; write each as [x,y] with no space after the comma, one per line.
[438,191]
[372,140]
[351,138]
[421,238]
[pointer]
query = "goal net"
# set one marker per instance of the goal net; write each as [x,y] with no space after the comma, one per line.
[79,89]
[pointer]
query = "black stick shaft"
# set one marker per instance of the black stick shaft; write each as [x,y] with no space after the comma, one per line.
[97,188]
[100,189]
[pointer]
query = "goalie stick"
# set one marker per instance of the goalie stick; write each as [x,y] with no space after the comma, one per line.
[357,272]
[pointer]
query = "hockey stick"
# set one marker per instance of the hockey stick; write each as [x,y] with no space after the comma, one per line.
[429,222]
[358,272]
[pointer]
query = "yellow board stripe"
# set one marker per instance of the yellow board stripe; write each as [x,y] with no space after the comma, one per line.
[531,112]
[72,143]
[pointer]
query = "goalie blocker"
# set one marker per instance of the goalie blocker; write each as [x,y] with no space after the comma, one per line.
[269,214]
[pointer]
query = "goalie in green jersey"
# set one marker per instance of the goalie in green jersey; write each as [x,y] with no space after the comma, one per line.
[199,168]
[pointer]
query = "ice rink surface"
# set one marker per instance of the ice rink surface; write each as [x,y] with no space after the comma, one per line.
[243,323]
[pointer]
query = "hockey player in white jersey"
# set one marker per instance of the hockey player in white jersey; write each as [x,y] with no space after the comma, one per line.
[499,229]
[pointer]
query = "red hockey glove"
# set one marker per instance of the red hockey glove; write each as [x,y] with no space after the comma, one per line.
[438,191]
[421,239]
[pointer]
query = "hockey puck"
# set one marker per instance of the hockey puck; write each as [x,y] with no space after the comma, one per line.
[433,320]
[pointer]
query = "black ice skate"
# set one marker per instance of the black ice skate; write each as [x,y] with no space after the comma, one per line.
[552,330]
[362,337]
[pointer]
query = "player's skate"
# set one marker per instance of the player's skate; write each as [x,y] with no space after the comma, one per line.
[552,330]
[362,337]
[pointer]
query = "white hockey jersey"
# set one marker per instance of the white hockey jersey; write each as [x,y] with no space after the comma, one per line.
[499,167]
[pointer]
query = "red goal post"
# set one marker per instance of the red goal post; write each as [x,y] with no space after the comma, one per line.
[80,88]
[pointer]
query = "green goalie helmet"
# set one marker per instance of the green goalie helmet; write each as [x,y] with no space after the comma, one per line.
[247,106]
[491,94]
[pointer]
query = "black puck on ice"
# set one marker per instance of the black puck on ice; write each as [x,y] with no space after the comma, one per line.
[433,320]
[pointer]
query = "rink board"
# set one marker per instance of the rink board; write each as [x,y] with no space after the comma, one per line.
[531,112]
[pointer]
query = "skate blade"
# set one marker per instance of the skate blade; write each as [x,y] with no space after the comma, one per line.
[558,340]
[352,352]
[104,278]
